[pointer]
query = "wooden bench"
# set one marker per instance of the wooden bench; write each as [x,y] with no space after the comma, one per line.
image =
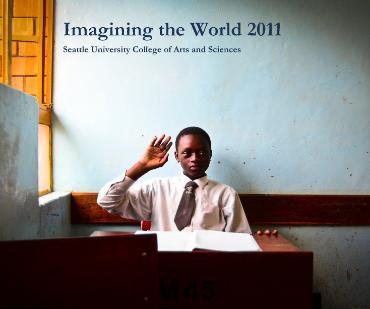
[261,209]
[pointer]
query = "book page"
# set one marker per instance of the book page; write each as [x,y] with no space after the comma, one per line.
[225,241]
[204,239]
[173,241]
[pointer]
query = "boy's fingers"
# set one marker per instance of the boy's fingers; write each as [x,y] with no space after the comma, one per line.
[159,141]
[166,141]
[168,146]
[152,142]
[164,159]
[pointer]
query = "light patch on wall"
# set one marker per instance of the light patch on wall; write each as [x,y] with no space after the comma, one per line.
[44,158]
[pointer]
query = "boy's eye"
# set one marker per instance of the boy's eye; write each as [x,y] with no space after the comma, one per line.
[200,153]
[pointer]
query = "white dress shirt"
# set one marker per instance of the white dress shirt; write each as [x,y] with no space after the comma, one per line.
[218,206]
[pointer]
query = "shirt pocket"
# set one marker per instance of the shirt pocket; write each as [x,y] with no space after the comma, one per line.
[212,215]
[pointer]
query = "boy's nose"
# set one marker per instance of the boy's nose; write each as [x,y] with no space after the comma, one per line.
[194,157]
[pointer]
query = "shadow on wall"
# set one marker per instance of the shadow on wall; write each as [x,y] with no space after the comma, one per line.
[21,217]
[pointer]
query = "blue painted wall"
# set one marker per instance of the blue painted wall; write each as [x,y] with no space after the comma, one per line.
[289,114]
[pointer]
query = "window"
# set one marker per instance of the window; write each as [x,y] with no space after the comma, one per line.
[26,43]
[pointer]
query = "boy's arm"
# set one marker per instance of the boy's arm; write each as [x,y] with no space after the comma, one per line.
[116,197]
[236,221]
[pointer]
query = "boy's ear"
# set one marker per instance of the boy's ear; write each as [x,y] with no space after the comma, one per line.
[176,156]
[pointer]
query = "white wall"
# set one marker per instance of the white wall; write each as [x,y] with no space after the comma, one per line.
[289,114]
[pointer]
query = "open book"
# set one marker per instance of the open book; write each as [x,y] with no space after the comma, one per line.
[204,239]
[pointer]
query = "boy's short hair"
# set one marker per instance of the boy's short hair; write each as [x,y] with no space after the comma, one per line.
[193,131]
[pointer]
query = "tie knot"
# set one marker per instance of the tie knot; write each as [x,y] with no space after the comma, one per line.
[190,186]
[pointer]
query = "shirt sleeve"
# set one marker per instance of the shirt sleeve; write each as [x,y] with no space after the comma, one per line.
[124,197]
[236,221]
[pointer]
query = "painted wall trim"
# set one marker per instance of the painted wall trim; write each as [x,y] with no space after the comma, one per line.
[261,209]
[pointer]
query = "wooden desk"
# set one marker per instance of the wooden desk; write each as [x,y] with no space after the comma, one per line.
[80,272]
[278,277]
[275,244]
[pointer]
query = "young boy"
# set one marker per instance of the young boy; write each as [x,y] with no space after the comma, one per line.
[187,202]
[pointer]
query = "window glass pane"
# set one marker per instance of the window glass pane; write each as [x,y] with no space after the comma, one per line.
[24,49]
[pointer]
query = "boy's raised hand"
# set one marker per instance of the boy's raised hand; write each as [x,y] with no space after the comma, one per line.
[156,154]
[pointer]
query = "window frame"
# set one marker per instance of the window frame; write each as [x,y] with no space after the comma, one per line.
[43,37]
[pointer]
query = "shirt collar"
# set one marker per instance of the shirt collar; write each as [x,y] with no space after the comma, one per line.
[201,182]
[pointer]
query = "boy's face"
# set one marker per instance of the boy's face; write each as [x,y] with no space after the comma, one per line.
[194,155]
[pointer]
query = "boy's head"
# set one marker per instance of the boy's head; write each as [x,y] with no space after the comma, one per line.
[193,151]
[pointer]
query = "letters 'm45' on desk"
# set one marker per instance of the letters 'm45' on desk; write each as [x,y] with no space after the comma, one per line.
[279,276]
